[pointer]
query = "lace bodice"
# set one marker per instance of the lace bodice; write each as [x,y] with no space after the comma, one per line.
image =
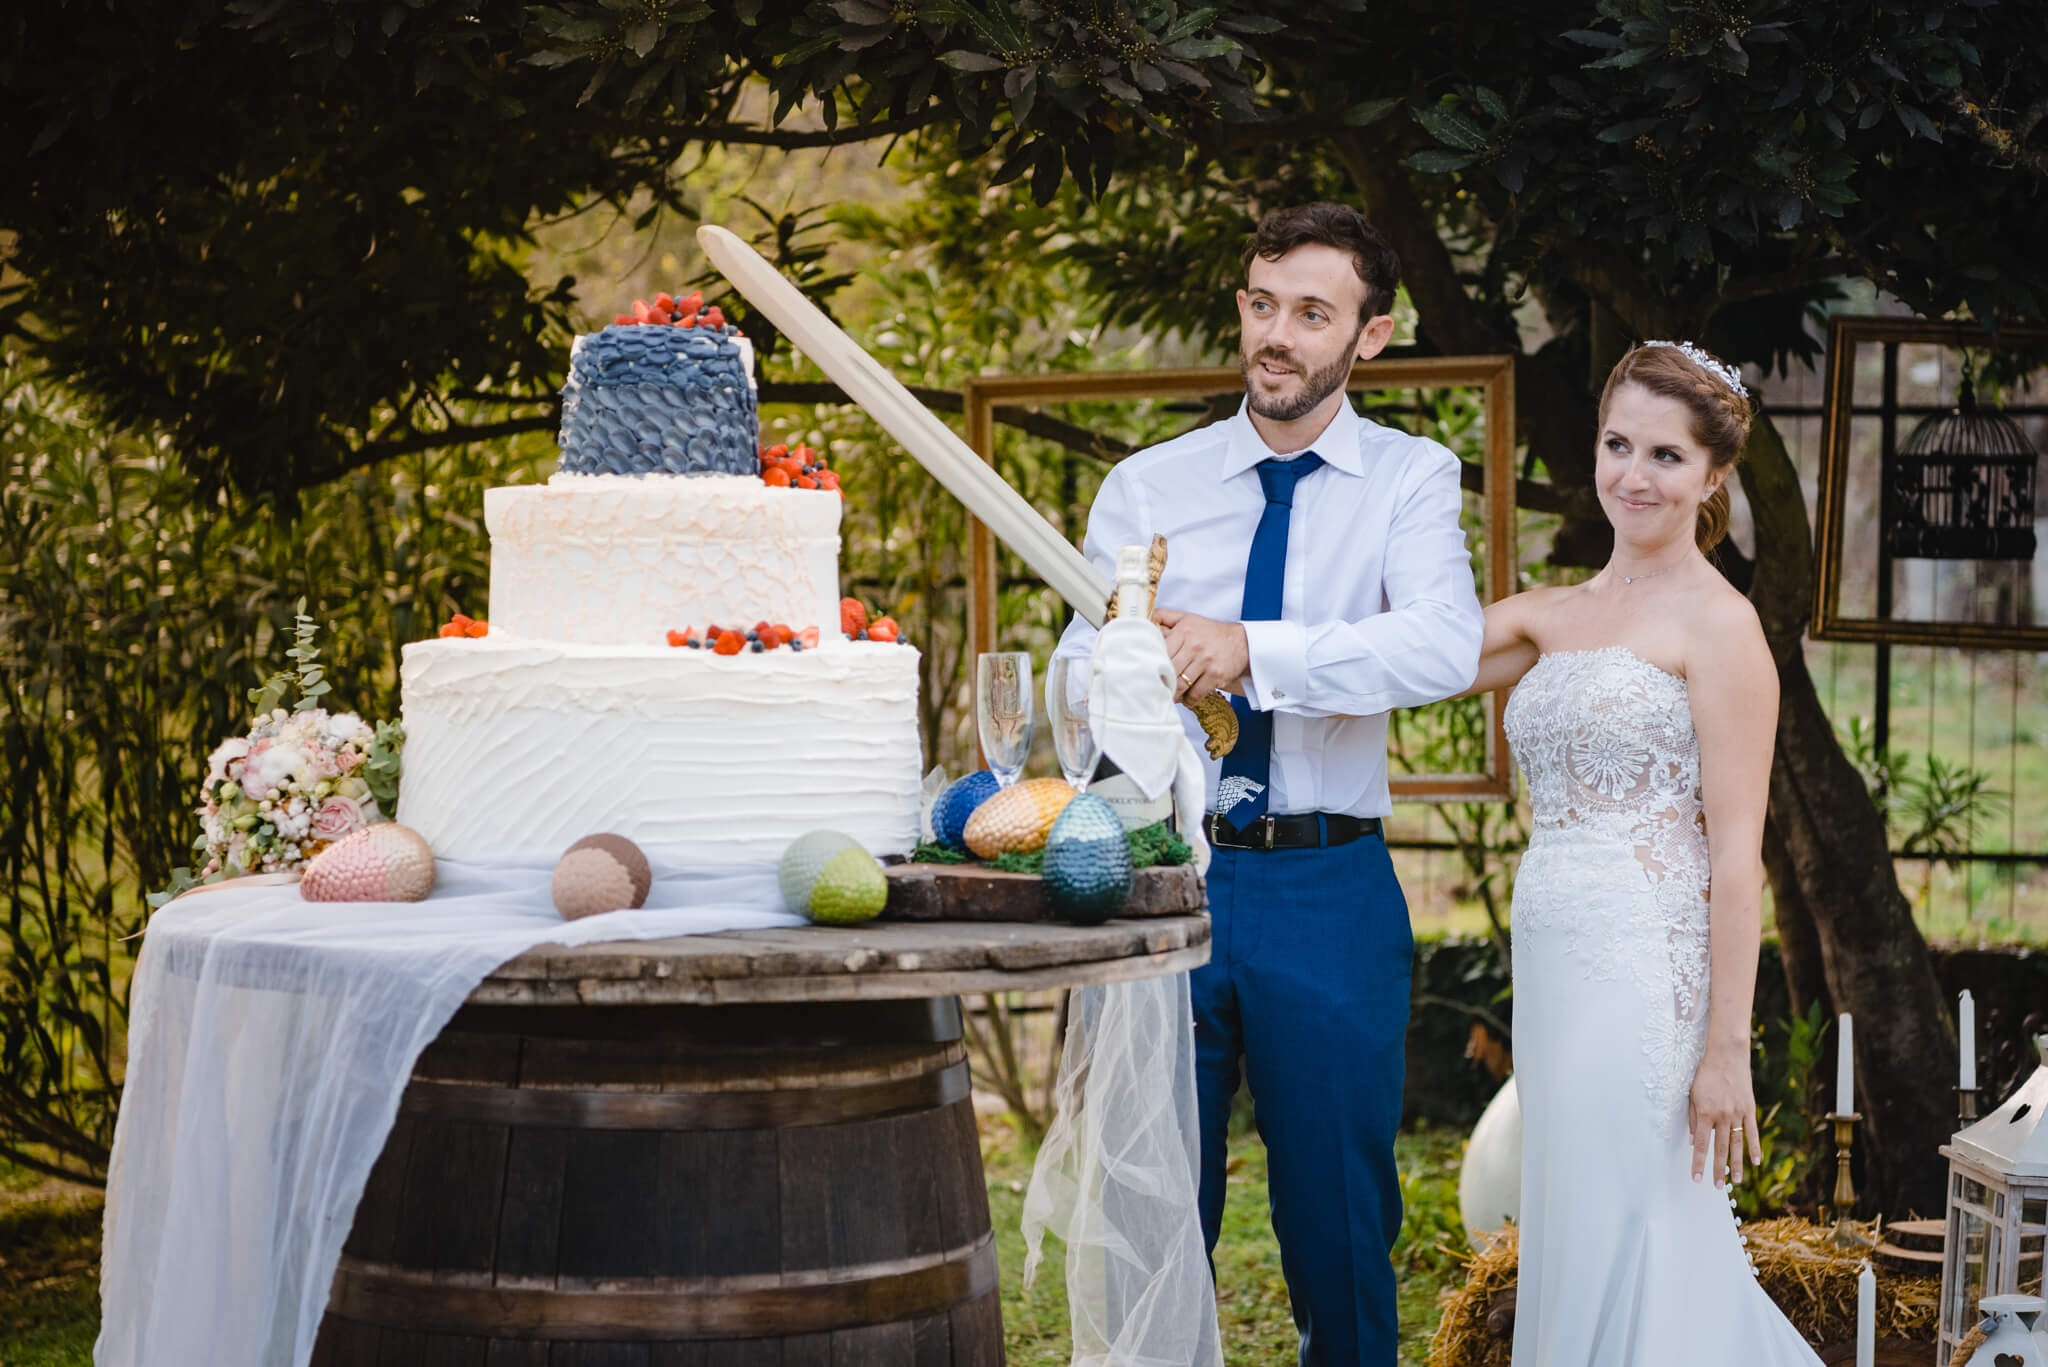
[1617,867]
[1606,740]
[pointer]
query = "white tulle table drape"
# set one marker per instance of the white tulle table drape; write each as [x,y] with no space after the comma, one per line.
[269,1041]
[1116,1181]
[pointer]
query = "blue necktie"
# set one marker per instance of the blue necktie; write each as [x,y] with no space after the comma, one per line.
[1247,776]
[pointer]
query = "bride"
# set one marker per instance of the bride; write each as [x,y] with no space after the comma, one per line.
[1644,715]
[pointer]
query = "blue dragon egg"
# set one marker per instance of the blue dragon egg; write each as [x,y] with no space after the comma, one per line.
[1087,863]
[957,803]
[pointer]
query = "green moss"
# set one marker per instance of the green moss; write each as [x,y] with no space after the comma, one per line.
[1158,844]
[1150,845]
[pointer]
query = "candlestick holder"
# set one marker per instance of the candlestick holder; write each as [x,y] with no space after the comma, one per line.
[1966,1107]
[1845,1234]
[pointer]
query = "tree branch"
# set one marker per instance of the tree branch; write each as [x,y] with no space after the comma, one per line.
[1775,282]
[1642,306]
[1537,496]
[1455,321]
[1069,435]
[2009,143]
[788,139]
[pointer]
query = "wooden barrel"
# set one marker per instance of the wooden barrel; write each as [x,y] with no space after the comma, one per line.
[671,1185]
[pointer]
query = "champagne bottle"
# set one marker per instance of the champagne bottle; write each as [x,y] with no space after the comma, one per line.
[1111,784]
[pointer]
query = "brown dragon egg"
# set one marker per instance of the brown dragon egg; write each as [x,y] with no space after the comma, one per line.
[1016,820]
[601,873]
[382,863]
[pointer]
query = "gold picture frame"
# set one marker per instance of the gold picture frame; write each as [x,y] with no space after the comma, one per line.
[1494,376]
[1830,622]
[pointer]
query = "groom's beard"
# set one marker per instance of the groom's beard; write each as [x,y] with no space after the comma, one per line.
[1315,385]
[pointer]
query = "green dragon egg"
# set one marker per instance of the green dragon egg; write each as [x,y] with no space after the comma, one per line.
[850,889]
[803,861]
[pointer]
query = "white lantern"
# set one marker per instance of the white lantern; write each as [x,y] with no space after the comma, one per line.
[1997,1208]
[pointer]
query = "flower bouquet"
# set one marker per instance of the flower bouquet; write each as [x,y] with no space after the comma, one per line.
[300,780]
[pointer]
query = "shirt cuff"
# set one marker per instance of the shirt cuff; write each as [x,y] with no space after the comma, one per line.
[1278,677]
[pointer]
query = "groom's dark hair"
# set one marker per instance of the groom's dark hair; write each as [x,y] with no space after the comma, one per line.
[1332,225]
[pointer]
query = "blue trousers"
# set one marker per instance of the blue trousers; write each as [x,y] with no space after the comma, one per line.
[1306,994]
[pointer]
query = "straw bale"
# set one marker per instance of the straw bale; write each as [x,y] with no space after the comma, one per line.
[1811,1280]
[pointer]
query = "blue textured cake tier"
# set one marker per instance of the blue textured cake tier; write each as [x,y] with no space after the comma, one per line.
[649,400]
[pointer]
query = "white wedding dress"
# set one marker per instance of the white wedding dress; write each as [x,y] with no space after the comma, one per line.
[1625,1260]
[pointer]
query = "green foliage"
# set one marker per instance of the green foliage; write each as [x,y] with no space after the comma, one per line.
[1432,1241]
[133,611]
[307,677]
[1794,1148]
[1775,139]
[291,236]
[381,771]
[1930,805]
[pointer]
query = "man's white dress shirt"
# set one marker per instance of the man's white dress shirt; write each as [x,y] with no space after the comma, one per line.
[1379,610]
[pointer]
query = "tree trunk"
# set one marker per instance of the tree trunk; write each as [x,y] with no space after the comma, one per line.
[1830,868]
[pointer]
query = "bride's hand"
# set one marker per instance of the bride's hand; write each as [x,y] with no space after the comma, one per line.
[1723,1107]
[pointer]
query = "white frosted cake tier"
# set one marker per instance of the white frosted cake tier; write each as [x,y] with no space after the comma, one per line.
[625,559]
[706,761]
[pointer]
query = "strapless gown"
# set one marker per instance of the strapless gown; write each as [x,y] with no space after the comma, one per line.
[1625,1260]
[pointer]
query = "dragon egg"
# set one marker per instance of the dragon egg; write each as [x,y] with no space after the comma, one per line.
[386,862]
[1017,820]
[850,888]
[957,803]
[803,861]
[601,873]
[1087,862]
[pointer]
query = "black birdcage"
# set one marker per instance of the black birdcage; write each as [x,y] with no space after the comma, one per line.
[1962,487]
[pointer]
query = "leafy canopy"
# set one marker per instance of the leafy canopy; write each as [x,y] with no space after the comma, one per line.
[293,233]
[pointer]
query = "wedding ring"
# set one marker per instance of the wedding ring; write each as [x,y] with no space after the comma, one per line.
[1187,681]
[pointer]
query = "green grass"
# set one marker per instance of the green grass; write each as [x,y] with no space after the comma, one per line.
[1258,1328]
[50,1237]
[49,1271]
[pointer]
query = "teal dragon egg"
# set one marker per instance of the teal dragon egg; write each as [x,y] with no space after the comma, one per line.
[956,803]
[1087,862]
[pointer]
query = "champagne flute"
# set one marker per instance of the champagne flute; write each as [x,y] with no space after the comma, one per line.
[1002,708]
[1066,710]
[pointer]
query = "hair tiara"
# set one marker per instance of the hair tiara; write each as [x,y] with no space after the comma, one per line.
[1720,370]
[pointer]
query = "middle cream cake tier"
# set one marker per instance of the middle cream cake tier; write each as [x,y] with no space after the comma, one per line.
[706,761]
[625,559]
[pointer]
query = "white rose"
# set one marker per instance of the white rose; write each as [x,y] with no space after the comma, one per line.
[224,754]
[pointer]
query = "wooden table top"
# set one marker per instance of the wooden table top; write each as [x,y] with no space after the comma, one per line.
[881,959]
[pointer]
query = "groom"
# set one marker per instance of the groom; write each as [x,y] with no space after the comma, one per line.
[1317,573]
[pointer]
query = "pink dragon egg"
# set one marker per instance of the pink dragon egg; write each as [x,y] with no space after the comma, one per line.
[601,873]
[382,863]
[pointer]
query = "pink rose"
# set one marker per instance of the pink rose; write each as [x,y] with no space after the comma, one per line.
[336,817]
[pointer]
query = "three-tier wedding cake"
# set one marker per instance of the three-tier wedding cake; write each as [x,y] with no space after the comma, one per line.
[575,714]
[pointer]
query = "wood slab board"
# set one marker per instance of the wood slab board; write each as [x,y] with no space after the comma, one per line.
[975,892]
[878,960]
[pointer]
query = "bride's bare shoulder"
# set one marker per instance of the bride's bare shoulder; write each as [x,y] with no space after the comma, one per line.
[1723,631]
[1531,604]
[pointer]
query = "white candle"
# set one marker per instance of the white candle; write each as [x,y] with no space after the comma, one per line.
[1966,1040]
[1845,1066]
[1866,1318]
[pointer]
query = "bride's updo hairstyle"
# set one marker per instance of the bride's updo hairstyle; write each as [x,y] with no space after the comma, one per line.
[1712,392]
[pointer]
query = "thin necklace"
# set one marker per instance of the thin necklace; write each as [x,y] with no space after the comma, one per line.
[1633,578]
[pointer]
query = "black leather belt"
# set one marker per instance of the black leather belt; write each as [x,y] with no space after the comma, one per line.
[1299,831]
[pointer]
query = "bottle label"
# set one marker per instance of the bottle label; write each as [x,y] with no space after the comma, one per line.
[1131,806]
